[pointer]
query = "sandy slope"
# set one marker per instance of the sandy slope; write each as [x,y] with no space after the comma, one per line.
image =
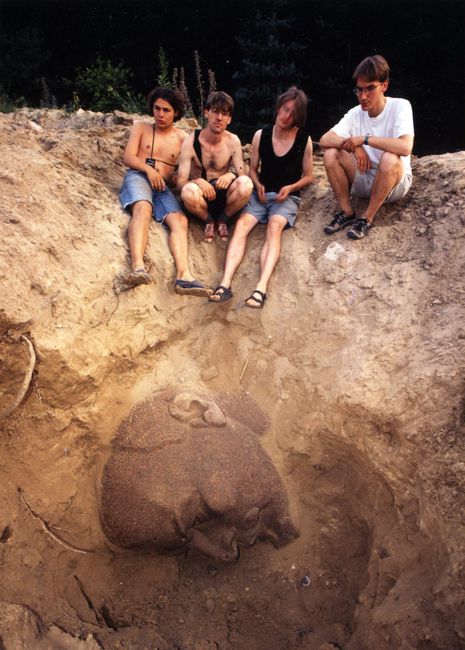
[358,358]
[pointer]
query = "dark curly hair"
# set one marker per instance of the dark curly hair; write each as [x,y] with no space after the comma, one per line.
[173,97]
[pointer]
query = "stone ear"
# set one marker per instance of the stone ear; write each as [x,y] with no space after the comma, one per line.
[196,411]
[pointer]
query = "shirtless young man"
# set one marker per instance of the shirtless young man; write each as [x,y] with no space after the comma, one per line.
[152,154]
[284,154]
[209,189]
[367,153]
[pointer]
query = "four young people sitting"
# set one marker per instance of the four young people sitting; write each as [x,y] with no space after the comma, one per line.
[366,154]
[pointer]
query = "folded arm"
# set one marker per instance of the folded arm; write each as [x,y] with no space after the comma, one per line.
[401,146]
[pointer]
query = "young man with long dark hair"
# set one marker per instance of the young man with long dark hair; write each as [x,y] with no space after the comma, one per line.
[152,154]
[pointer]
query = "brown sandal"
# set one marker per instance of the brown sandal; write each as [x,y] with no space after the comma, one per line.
[221,294]
[260,300]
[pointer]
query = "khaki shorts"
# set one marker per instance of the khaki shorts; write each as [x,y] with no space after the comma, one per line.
[363,183]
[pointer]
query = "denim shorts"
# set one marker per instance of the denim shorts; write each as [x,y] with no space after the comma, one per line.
[136,187]
[363,183]
[263,211]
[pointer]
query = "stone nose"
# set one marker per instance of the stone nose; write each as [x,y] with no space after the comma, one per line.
[228,541]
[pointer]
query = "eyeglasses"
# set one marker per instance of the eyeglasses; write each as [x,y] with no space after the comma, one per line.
[218,111]
[368,89]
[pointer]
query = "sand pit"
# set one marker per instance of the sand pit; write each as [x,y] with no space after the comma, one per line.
[357,361]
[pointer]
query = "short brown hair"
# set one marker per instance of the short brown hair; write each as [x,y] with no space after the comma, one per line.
[301,102]
[373,68]
[173,97]
[219,99]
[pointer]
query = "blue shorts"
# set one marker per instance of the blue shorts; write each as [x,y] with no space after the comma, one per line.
[263,211]
[136,187]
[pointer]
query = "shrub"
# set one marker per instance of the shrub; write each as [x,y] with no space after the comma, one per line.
[105,87]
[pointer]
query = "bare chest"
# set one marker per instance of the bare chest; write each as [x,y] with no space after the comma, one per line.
[161,147]
[282,147]
[215,158]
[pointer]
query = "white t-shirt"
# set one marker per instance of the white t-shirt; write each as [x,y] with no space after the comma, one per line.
[395,120]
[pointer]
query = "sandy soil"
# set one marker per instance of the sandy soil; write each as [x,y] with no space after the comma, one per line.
[357,359]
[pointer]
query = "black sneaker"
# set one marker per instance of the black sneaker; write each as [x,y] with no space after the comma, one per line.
[340,221]
[359,229]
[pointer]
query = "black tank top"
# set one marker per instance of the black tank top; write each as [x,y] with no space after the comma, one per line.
[198,152]
[277,171]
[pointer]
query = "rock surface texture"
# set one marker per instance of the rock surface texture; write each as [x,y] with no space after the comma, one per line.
[185,476]
[357,360]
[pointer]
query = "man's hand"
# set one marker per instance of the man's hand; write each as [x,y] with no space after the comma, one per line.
[224,181]
[283,193]
[260,189]
[350,144]
[362,159]
[156,180]
[208,191]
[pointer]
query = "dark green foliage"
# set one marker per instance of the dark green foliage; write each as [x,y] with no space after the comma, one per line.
[270,63]
[22,58]
[179,82]
[8,105]
[163,78]
[106,87]
[424,42]
[47,100]
[200,87]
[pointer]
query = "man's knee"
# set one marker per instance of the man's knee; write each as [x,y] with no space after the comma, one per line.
[141,210]
[244,225]
[276,226]
[243,186]
[390,162]
[331,157]
[177,222]
[191,195]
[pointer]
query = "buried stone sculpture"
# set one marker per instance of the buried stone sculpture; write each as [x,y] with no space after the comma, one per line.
[189,473]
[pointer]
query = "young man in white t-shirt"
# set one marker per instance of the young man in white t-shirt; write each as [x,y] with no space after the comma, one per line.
[367,153]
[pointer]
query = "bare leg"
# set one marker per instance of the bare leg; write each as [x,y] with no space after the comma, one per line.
[389,173]
[236,249]
[270,252]
[193,199]
[178,225]
[138,232]
[238,194]
[340,167]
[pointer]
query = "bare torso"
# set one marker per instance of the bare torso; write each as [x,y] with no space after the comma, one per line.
[163,146]
[218,155]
